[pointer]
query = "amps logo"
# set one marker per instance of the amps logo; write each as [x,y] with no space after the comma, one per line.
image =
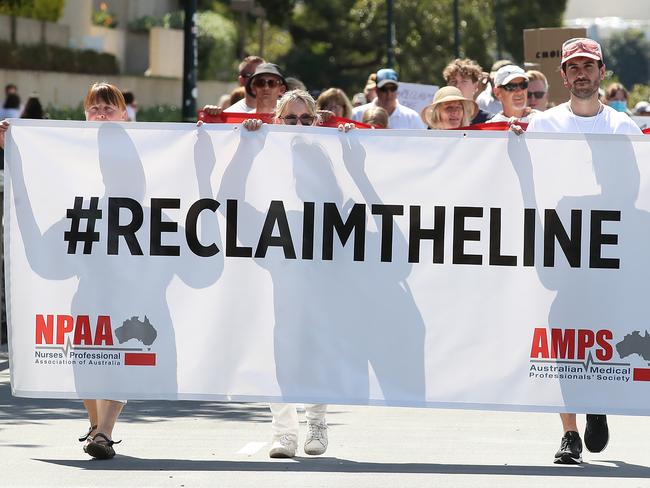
[91,341]
[584,354]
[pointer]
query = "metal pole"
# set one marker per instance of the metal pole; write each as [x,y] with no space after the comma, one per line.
[390,61]
[456,30]
[190,62]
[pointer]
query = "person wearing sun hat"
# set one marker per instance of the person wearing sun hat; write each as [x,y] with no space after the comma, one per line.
[266,85]
[449,109]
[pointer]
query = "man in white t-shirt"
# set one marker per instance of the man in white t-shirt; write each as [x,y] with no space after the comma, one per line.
[399,116]
[582,70]
[511,89]
[247,104]
[246,70]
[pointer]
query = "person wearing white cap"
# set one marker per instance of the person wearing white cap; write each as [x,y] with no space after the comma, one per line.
[642,108]
[399,116]
[511,88]
[582,70]
[449,109]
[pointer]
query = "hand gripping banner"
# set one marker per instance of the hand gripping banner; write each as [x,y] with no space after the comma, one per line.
[419,268]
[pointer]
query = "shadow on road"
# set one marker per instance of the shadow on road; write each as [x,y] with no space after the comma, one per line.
[16,410]
[329,464]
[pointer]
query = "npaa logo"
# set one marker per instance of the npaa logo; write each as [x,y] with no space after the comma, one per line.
[584,354]
[78,340]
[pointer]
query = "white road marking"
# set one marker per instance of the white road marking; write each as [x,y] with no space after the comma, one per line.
[252,448]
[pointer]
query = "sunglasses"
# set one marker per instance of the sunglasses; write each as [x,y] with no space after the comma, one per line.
[305,119]
[246,75]
[515,86]
[388,88]
[270,82]
[538,95]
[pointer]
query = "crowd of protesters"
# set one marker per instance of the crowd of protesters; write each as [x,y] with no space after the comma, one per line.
[507,94]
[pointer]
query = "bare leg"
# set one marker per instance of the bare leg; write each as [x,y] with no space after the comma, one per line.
[107,413]
[91,408]
[569,422]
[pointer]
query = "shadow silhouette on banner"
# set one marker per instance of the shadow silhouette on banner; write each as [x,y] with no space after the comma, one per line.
[600,282]
[130,285]
[330,320]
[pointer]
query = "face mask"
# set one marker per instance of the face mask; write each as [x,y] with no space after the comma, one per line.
[618,105]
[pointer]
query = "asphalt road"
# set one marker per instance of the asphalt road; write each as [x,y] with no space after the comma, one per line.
[210,444]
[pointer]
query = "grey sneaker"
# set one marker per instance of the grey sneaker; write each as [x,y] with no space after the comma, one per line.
[284,447]
[316,442]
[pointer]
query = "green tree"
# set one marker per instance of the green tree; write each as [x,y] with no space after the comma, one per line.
[517,15]
[217,39]
[338,42]
[627,54]
[425,37]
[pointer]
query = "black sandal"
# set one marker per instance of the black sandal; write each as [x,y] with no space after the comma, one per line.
[102,449]
[87,437]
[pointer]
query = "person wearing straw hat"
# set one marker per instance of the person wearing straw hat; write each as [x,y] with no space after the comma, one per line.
[449,109]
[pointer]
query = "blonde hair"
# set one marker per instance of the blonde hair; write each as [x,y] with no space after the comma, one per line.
[107,93]
[534,75]
[294,96]
[436,119]
[335,96]
[376,116]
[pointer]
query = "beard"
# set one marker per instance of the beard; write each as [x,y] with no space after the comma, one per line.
[585,90]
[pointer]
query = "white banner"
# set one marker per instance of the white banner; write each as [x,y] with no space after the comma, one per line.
[420,268]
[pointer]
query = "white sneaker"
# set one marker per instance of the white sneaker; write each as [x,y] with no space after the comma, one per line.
[316,442]
[284,447]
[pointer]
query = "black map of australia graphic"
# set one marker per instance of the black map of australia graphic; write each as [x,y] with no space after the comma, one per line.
[133,328]
[635,343]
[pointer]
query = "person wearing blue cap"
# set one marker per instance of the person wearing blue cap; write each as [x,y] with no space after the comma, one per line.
[399,116]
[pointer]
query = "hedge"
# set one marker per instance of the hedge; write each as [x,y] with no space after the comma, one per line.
[41,57]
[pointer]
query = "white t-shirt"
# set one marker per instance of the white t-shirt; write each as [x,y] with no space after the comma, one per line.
[241,107]
[10,113]
[486,101]
[401,118]
[131,113]
[560,119]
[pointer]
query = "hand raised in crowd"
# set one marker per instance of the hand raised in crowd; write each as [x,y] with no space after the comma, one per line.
[4,127]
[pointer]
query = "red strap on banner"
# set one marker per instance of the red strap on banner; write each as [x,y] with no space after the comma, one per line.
[336,121]
[239,117]
[492,126]
[233,117]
